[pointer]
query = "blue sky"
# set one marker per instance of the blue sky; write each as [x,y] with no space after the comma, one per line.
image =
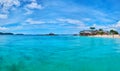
[58,16]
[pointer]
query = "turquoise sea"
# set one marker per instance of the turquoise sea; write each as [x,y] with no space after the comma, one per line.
[59,53]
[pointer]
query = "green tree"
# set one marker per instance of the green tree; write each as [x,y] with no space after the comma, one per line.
[101,32]
[92,28]
[100,29]
[113,32]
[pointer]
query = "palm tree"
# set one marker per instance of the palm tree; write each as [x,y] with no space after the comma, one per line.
[92,30]
[100,29]
[113,32]
[101,32]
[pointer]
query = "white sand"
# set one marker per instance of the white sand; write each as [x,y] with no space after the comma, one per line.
[107,36]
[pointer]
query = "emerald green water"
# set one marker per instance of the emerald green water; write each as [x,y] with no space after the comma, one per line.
[59,53]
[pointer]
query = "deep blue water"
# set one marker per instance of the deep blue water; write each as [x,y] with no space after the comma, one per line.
[59,53]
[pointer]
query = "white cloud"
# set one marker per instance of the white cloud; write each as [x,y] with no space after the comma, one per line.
[8,5]
[3,16]
[71,21]
[31,21]
[117,24]
[108,27]
[34,5]
[101,26]
[3,28]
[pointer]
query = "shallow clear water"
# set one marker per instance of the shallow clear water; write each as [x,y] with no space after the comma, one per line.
[59,53]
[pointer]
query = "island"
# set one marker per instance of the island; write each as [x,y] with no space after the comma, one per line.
[99,33]
[1,33]
[49,34]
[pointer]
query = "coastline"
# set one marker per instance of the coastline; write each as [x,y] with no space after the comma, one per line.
[106,36]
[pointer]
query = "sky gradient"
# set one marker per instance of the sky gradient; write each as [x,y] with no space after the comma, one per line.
[58,16]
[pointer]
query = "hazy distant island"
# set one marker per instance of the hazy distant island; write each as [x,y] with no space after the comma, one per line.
[49,34]
[1,33]
[8,33]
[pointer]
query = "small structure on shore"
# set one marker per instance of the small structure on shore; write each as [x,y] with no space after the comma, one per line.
[88,32]
[85,33]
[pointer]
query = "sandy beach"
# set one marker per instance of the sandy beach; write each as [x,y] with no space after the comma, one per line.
[107,36]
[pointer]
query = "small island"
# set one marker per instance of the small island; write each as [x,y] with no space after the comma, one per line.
[99,33]
[49,34]
[1,33]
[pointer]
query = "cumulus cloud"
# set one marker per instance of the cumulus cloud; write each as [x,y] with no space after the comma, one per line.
[117,24]
[31,21]
[114,26]
[7,5]
[32,5]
